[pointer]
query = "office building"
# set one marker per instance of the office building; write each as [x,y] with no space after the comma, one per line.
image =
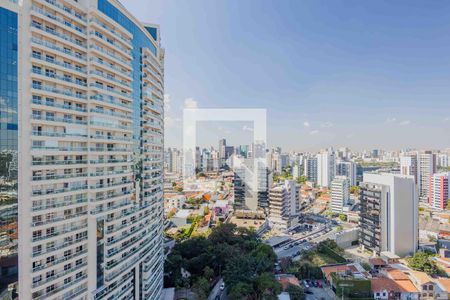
[326,167]
[438,191]
[340,193]
[348,169]
[389,214]
[88,89]
[251,185]
[9,124]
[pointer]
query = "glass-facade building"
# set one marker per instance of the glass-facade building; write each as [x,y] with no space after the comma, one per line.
[8,150]
[81,151]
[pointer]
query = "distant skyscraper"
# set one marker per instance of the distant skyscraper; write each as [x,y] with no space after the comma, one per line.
[389,214]
[408,165]
[348,169]
[340,193]
[222,155]
[438,190]
[311,169]
[326,167]
[426,163]
[87,79]
[443,160]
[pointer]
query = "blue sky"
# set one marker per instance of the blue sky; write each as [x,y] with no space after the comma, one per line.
[364,74]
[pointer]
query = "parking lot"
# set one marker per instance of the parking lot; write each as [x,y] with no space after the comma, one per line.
[320,293]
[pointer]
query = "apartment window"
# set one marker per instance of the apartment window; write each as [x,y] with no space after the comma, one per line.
[50,73]
[50,288]
[37,84]
[78,262]
[50,273]
[79,274]
[36,264]
[37,69]
[37,279]
[67,253]
[67,280]
[425,287]
[50,259]
[67,267]
[36,54]
[50,101]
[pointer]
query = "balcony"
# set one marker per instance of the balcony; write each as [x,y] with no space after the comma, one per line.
[58,91]
[58,63]
[60,35]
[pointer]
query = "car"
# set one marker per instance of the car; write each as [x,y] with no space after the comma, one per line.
[222,286]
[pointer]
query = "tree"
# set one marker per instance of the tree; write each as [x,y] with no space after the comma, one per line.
[201,288]
[239,290]
[208,273]
[342,217]
[295,292]
[355,190]
[422,261]
[302,179]
[266,287]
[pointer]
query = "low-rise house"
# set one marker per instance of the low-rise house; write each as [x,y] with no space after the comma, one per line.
[350,280]
[427,287]
[376,263]
[388,289]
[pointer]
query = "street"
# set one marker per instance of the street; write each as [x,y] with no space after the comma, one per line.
[217,292]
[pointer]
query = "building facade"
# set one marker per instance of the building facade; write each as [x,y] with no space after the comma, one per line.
[310,169]
[426,167]
[90,87]
[389,214]
[326,167]
[347,168]
[9,124]
[340,193]
[438,191]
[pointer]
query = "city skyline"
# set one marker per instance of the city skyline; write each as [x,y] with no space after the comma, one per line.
[362,75]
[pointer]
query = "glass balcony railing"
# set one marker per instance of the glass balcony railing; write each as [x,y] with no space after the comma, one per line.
[56,76]
[60,204]
[111,66]
[110,78]
[58,91]
[58,162]
[59,20]
[60,35]
[111,54]
[67,10]
[57,48]
[111,43]
[111,100]
[52,191]
[107,28]
[58,119]
[57,105]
